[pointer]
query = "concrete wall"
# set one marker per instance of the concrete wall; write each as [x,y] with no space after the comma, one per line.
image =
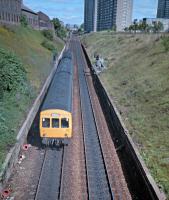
[138,175]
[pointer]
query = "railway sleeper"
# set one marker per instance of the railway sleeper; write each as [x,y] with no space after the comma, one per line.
[55,142]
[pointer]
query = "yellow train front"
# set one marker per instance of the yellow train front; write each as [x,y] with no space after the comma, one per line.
[55,115]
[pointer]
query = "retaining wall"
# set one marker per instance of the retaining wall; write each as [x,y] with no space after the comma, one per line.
[13,155]
[139,179]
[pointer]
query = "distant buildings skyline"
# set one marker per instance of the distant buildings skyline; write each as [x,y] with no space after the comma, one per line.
[107,14]
[72,12]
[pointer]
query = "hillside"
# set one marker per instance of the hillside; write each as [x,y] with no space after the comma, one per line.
[24,66]
[137,79]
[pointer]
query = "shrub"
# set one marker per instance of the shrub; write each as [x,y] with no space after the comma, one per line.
[24,21]
[12,72]
[48,45]
[48,34]
[165,43]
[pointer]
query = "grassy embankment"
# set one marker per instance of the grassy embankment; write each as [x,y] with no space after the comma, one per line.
[26,77]
[137,79]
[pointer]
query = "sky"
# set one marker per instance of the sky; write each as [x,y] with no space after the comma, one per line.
[72,11]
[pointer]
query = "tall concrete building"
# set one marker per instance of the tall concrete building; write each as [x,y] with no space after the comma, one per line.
[106,14]
[163,9]
[124,14]
[89,15]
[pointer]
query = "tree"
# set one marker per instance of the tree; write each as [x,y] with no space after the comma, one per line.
[157,26]
[23,20]
[82,26]
[114,28]
[126,29]
[60,30]
[56,23]
[135,25]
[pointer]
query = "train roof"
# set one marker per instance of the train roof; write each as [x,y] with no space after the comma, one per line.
[59,95]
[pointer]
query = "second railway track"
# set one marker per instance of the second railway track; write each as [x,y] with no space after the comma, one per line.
[105,179]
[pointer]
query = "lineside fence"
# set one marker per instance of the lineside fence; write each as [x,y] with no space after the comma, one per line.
[139,179]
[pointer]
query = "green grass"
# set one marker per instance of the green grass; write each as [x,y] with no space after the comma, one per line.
[137,78]
[25,43]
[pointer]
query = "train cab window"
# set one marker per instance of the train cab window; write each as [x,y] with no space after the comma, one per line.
[46,122]
[65,123]
[55,123]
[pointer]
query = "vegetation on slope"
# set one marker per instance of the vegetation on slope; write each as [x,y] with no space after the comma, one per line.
[24,66]
[137,78]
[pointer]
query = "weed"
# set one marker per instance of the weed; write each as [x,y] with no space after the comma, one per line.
[140,80]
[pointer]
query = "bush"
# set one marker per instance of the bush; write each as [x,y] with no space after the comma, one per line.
[12,72]
[48,45]
[24,21]
[165,43]
[48,34]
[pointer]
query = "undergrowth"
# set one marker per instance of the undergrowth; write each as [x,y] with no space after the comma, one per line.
[137,80]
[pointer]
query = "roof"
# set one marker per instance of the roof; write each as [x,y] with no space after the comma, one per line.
[25,8]
[43,16]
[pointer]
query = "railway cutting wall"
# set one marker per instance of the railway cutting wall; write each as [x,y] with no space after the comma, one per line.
[137,175]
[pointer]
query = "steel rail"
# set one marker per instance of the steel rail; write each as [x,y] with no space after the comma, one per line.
[98,183]
[49,181]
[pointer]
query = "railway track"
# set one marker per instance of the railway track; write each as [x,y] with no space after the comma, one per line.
[88,168]
[51,175]
[102,176]
[98,184]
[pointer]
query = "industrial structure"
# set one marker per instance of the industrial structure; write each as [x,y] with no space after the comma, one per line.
[107,14]
[163,9]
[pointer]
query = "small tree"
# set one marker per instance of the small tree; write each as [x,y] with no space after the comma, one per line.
[126,29]
[23,20]
[114,28]
[157,26]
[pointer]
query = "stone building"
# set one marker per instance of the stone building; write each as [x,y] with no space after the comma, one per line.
[32,17]
[44,21]
[10,11]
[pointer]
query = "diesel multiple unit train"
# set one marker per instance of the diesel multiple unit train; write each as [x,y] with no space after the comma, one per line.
[55,115]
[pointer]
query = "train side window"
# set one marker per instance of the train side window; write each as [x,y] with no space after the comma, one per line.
[55,123]
[46,122]
[65,123]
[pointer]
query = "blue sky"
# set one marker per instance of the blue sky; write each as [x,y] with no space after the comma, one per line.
[71,11]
